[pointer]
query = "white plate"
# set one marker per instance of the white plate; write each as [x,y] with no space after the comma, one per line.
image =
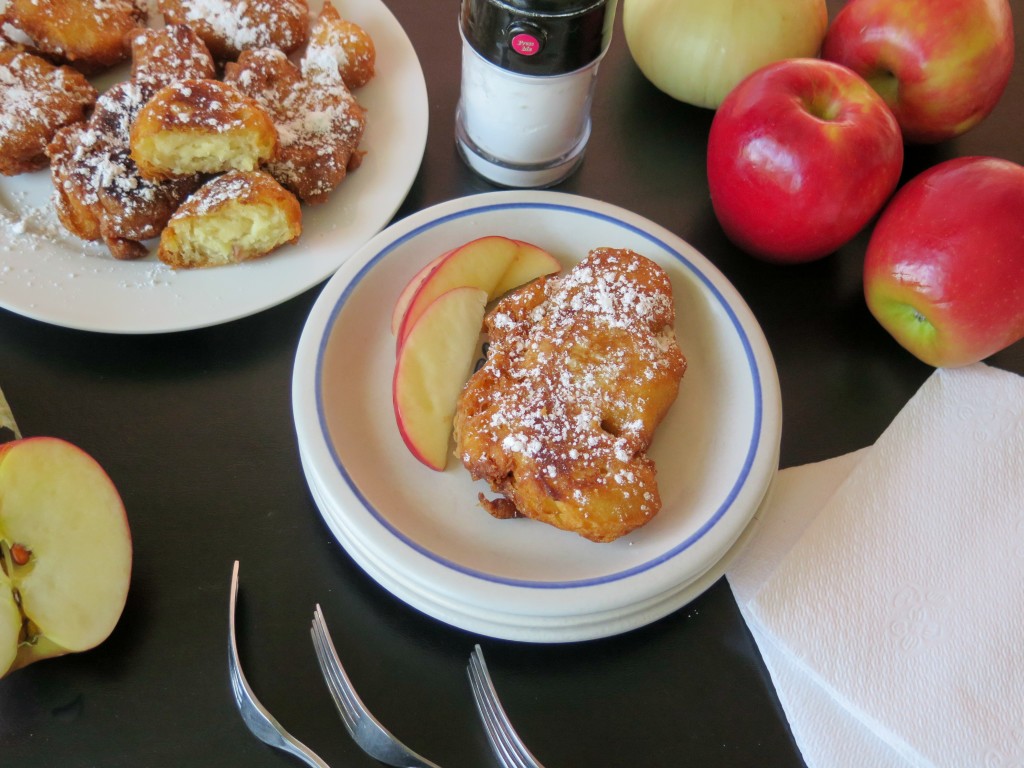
[520,627]
[48,274]
[716,451]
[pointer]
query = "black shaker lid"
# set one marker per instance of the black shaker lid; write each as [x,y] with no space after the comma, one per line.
[538,37]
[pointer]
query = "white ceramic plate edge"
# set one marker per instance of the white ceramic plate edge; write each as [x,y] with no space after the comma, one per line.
[584,598]
[78,285]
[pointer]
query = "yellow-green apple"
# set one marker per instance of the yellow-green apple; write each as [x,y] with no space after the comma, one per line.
[699,50]
[802,154]
[941,65]
[493,263]
[65,552]
[944,269]
[435,357]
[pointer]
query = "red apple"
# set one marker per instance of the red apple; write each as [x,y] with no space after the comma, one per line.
[435,357]
[492,263]
[530,262]
[479,263]
[801,156]
[944,270]
[65,552]
[409,292]
[941,65]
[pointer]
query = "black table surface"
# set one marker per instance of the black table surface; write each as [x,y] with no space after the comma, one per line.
[195,429]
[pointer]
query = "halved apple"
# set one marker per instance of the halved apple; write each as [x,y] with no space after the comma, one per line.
[435,358]
[530,263]
[65,552]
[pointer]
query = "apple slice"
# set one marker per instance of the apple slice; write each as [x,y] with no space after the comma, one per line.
[434,361]
[480,263]
[406,296]
[530,263]
[65,552]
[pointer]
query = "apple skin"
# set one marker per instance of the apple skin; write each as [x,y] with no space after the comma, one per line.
[435,357]
[493,263]
[802,154]
[409,292]
[66,551]
[531,262]
[944,269]
[480,263]
[941,65]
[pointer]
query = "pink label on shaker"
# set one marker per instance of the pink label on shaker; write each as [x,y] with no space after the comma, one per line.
[525,44]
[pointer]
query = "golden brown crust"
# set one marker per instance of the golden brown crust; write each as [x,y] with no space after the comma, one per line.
[335,42]
[235,217]
[90,34]
[98,191]
[319,122]
[229,27]
[581,369]
[164,56]
[36,100]
[201,126]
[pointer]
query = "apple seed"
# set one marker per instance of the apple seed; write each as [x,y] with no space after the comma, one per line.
[20,554]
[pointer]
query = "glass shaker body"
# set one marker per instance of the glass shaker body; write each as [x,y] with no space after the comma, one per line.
[523,119]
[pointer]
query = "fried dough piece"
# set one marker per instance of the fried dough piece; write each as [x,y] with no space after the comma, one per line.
[6,44]
[99,193]
[201,126]
[164,56]
[581,369]
[36,100]
[340,44]
[231,26]
[235,217]
[319,123]
[90,34]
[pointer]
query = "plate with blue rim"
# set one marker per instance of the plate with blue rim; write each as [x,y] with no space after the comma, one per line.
[422,533]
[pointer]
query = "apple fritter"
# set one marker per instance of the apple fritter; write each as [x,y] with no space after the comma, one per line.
[234,217]
[90,34]
[231,26]
[201,126]
[319,123]
[337,43]
[164,56]
[37,98]
[98,190]
[581,368]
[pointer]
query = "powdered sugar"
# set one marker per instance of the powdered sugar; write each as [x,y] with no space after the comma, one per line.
[232,26]
[577,377]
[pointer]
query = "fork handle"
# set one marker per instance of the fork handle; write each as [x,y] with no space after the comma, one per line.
[304,753]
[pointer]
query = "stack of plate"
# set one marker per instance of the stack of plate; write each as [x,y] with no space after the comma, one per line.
[422,535]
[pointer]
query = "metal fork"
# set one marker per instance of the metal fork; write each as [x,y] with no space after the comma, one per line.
[505,742]
[262,724]
[376,740]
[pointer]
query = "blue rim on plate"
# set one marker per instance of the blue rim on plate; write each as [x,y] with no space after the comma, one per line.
[757,442]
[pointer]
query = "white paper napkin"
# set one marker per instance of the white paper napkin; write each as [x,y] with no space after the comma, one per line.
[904,598]
[828,735]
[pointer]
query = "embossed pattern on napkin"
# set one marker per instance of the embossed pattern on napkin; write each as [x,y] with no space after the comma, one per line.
[905,597]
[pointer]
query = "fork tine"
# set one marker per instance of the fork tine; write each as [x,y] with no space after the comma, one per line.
[365,729]
[332,674]
[504,739]
[496,737]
